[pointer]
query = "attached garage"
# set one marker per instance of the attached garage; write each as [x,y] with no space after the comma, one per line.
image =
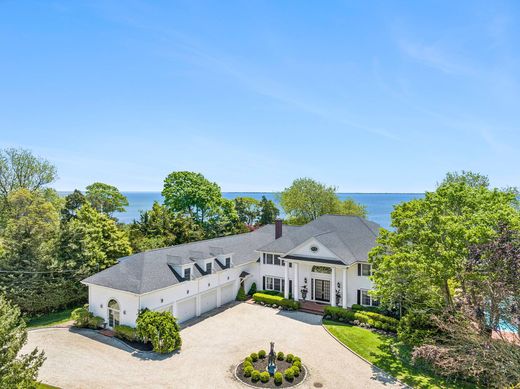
[186,309]
[227,294]
[208,301]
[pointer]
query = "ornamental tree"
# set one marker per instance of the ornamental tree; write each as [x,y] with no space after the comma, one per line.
[16,371]
[159,328]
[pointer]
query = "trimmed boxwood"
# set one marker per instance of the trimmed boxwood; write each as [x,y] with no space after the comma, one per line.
[289,374]
[248,359]
[248,370]
[254,357]
[280,356]
[255,375]
[296,370]
[357,307]
[261,354]
[277,300]
[373,319]
[278,377]
[264,376]
[289,358]
[298,364]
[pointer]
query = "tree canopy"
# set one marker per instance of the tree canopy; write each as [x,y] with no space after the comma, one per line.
[248,210]
[307,199]
[161,329]
[268,211]
[191,193]
[105,198]
[20,169]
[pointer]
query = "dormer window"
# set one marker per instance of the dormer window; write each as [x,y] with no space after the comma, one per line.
[228,262]
[187,274]
[209,267]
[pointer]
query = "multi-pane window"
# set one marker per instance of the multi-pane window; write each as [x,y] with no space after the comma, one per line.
[273,283]
[366,269]
[277,260]
[366,299]
[273,259]
[269,259]
[228,262]
[187,274]
[208,267]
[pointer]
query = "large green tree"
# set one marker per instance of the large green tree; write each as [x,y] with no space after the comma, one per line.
[105,198]
[248,210]
[420,263]
[192,194]
[20,169]
[268,211]
[92,241]
[160,227]
[307,199]
[16,371]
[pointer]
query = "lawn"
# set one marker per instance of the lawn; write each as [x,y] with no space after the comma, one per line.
[387,354]
[49,319]
[41,385]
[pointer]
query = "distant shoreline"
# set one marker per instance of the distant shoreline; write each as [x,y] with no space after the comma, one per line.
[342,193]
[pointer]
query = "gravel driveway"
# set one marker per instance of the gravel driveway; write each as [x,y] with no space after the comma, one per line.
[211,349]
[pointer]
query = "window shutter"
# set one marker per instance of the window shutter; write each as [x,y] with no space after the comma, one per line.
[358,269]
[263,282]
[283,285]
[359,297]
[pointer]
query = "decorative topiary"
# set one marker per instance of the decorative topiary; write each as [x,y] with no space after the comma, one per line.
[296,370]
[298,364]
[248,359]
[295,358]
[248,370]
[246,363]
[261,354]
[241,295]
[279,356]
[289,358]
[289,374]
[278,377]
[252,290]
[264,376]
[254,357]
[255,375]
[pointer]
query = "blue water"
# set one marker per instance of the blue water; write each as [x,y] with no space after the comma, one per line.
[379,205]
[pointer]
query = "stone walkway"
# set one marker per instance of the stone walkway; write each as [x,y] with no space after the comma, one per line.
[211,350]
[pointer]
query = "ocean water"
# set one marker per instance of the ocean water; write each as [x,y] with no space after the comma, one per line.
[379,205]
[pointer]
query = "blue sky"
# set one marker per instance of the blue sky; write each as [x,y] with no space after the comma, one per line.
[368,96]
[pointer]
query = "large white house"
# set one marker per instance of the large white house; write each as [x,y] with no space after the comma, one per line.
[325,259]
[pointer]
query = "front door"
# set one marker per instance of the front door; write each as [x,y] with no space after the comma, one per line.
[322,290]
[113,313]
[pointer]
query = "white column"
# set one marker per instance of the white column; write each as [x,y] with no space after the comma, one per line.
[286,280]
[296,283]
[333,287]
[344,294]
[219,296]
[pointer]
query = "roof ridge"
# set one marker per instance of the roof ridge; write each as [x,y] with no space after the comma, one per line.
[366,225]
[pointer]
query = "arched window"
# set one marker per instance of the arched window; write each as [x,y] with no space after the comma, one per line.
[113,313]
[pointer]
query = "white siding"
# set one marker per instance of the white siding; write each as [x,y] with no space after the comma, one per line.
[99,297]
[356,282]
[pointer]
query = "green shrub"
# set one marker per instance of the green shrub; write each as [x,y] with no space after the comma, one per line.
[81,316]
[95,322]
[289,374]
[297,359]
[278,377]
[254,357]
[125,332]
[373,319]
[271,293]
[415,328]
[280,356]
[289,358]
[278,300]
[298,364]
[241,295]
[248,359]
[296,370]
[262,354]
[248,370]
[337,313]
[357,307]
[264,376]
[252,289]
[255,375]
[161,329]
[246,363]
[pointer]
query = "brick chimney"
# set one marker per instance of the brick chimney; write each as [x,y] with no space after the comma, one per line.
[277,228]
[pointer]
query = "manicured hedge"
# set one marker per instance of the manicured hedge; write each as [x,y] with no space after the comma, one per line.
[372,319]
[357,307]
[270,292]
[268,299]
[125,332]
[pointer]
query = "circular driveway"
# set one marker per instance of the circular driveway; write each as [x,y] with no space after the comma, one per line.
[211,349]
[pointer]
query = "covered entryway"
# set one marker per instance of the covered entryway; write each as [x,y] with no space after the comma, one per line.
[227,294]
[208,301]
[113,313]
[186,309]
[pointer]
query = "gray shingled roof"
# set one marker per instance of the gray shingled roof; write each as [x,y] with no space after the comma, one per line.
[349,237]
[148,271]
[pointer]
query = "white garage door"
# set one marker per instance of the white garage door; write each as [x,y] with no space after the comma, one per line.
[208,301]
[186,309]
[227,294]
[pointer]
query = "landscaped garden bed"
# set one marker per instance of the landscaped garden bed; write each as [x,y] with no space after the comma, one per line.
[275,301]
[289,370]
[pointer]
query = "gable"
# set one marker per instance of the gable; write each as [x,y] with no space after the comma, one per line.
[305,250]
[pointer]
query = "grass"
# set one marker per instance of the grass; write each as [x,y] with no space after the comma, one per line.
[388,354]
[49,319]
[41,385]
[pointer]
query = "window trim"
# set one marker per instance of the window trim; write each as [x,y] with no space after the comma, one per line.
[363,268]
[373,301]
[269,283]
